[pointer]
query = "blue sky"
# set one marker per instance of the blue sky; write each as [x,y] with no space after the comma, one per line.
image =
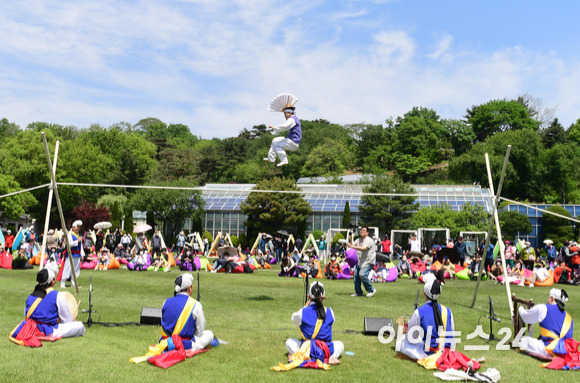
[215,65]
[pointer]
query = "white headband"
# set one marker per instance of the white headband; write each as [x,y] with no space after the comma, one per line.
[310,293]
[183,282]
[429,280]
[557,295]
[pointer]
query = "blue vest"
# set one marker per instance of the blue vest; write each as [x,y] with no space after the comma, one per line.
[46,313]
[295,134]
[308,324]
[170,313]
[427,319]
[76,250]
[553,322]
[309,319]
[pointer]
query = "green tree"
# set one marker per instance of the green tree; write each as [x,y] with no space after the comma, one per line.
[346,215]
[169,206]
[562,170]
[555,228]
[7,129]
[270,212]
[336,238]
[554,134]
[513,223]
[116,215]
[469,218]
[110,199]
[14,206]
[388,212]
[499,116]
[331,158]
[574,132]
[129,223]
[524,172]
[439,215]
[461,134]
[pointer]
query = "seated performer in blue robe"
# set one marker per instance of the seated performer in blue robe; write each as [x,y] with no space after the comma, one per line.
[316,347]
[426,323]
[47,314]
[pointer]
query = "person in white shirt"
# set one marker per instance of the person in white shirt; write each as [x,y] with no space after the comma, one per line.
[415,244]
[290,142]
[540,274]
[556,325]
[366,261]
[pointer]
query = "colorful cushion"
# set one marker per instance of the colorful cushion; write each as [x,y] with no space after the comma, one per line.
[351,257]
[392,274]
[462,275]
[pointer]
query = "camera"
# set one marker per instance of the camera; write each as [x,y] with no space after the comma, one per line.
[351,226]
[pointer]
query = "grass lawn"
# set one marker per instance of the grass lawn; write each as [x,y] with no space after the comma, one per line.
[252,312]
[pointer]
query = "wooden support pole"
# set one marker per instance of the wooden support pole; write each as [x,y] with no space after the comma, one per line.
[495,201]
[48,207]
[60,213]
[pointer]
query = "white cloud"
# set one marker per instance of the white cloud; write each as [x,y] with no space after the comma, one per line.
[215,65]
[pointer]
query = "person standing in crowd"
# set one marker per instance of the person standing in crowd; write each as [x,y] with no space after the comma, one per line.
[118,236]
[126,241]
[386,245]
[262,243]
[9,239]
[87,243]
[100,240]
[488,258]
[139,242]
[156,245]
[414,244]
[110,242]
[510,254]
[222,241]
[366,261]
[74,240]
[461,249]
[551,252]
[52,246]
[529,256]
[299,244]
[205,246]
[322,247]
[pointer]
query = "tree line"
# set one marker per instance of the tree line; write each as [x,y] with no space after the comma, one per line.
[418,147]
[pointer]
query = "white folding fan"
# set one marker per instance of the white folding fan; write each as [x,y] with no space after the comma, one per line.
[281,102]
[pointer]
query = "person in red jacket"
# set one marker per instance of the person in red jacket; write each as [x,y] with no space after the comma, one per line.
[9,239]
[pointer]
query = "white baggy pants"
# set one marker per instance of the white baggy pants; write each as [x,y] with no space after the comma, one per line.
[66,272]
[279,147]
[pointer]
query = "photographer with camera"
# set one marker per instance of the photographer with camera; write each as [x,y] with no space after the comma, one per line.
[366,261]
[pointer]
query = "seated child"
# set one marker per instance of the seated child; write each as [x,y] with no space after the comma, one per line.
[162,261]
[103,257]
[332,268]
[380,274]
[448,267]
[140,260]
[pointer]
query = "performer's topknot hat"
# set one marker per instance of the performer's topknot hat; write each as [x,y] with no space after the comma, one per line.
[183,282]
[77,223]
[283,102]
[432,286]
[316,291]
